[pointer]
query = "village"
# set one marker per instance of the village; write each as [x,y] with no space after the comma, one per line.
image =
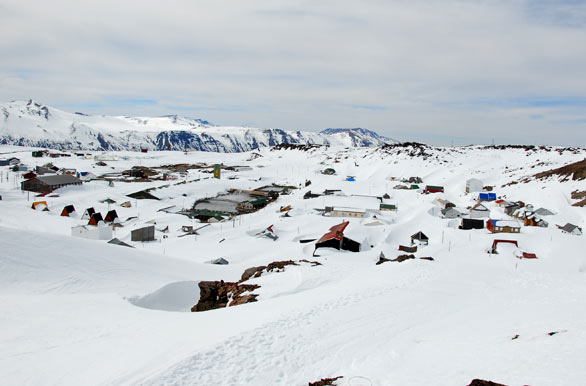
[279,230]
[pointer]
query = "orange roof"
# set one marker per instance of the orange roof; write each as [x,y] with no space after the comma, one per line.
[336,232]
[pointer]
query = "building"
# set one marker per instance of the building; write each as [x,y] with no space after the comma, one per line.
[143,234]
[344,212]
[469,223]
[92,232]
[335,239]
[451,212]
[68,211]
[572,229]
[420,237]
[433,189]
[47,184]
[88,213]
[474,185]
[96,219]
[503,226]
[486,196]
[388,207]
[479,211]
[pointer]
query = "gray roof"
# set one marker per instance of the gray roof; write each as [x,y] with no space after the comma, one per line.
[61,179]
[544,212]
[570,228]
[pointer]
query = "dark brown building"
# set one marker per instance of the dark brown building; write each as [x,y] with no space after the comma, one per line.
[48,184]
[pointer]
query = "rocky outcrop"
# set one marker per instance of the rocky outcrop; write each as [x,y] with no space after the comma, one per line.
[480,382]
[325,381]
[219,294]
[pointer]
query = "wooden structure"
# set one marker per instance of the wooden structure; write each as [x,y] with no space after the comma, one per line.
[67,211]
[111,216]
[503,226]
[88,213]
[47,184]
[143,234]
[469,223]
[433,189]
[95,219]
[419,237]
[495,243]
[335,239]
[40,205]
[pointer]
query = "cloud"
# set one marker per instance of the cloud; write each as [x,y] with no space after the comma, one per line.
[472,69]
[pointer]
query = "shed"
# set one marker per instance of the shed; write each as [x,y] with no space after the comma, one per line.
[335,239]
[543,212]
[143,234]
[67,211]
[40,205]
[344,212]
[527,255]
[433,189]
[469,223]
[111,216]
[451,212]
[88,213]
[420,237]
[220,261]
[474,185]
[572,229]
[388,207]
[95,219]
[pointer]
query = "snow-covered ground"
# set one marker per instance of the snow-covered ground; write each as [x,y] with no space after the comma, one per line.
[77,311]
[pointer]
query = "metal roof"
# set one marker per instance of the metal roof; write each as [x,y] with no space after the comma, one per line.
[61,179]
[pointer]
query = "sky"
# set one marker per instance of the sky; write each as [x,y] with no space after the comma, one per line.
[436,71]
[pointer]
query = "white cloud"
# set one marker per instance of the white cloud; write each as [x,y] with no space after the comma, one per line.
[425,65]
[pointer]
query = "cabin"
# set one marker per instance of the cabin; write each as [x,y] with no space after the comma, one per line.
[433,189]
[220,261]
[142,195]
[479,211]
[532,220]
[344,212]
[111,216]
[92,232]
[143,234]
[487,196]
[503,226]
[88,213]
[40,205]
[451,212]
[572,229]
[474,185]
[419,237]
[48,184]
[335,239]
[68,211]
[469,223]
[96,219]
[392,207]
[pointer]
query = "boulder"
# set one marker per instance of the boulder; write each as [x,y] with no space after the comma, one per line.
[219,294]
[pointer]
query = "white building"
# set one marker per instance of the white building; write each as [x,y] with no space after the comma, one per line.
[344,212]
[474,185]
[103,232]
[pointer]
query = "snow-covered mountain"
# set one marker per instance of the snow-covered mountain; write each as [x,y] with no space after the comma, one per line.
[28,123]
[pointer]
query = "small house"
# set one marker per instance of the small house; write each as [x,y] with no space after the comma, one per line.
[543,212]
[119,242]
[474,185]
[245,206]
[335,239]
[572,229]
[469,223]
[68,211]
[451,212]
[40,205]
[511,208]
[503,226]
[532,220]
[479,211]
[433,189]
[419,237]
[96,219]
[143,234]
[142,195]
[88,213]
[111,216]
[220,261]
[495,243]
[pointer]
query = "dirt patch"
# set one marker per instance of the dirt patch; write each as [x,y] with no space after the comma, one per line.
[325,381]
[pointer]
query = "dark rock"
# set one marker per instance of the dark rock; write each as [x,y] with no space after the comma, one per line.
[427,258]
[252,272]
[480,382]
[219,294]
[325,381]
[402,258]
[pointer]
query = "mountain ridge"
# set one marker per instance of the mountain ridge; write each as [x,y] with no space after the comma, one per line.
[29,123]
